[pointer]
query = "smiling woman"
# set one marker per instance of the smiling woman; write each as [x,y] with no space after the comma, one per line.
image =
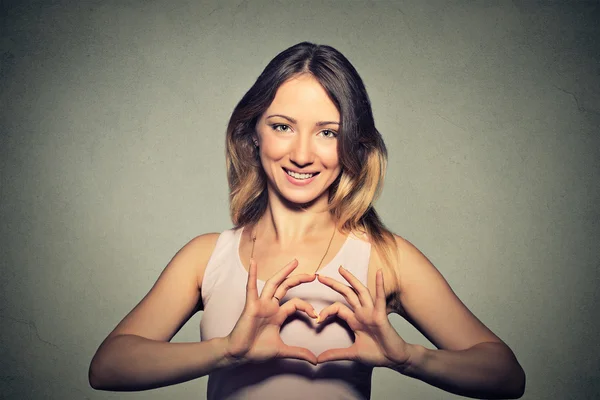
[298,146]
[305,164]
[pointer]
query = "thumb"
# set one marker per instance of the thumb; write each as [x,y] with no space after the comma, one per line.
[335,354]
[298,353]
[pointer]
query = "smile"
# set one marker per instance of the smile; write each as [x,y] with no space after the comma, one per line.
[299,179]
[299,176]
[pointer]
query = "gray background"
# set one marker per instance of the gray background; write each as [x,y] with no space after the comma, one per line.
[112,118]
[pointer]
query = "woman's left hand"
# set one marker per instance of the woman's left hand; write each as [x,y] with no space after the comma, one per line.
[376,341]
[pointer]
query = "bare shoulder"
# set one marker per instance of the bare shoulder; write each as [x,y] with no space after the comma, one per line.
[429,303]
[174,297]
[412,265]
[406,249]
[200,249]
[203,243]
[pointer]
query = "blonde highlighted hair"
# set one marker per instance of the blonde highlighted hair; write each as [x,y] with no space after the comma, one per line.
[362,152]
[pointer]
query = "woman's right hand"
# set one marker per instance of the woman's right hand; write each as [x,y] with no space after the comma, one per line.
[255,337]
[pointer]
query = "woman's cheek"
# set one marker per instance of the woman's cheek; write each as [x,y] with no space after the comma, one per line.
[330,159]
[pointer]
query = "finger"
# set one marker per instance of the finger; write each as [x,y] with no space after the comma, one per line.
[348,292]
[291,282]
[251,289]
[337,354]
[341,311]
[363,293]
[299,353]
[380,302]
[297,304]
[273,283]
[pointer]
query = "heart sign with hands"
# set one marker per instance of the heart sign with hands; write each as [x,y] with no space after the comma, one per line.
[376,341]
[255,336]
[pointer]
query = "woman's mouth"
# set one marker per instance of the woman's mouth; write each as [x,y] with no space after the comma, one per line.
[299,178]
[299,175]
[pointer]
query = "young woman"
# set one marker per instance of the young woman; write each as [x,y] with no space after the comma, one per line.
[305,163]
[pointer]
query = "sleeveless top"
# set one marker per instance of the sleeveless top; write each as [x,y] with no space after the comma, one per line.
[224,296]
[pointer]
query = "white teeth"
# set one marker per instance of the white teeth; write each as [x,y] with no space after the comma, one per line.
[299,176]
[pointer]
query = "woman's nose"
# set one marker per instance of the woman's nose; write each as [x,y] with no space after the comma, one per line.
[302,153]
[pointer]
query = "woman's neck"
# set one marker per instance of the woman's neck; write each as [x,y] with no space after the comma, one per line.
[286,226]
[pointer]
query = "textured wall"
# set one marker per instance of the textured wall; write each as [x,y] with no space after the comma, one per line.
[112,119]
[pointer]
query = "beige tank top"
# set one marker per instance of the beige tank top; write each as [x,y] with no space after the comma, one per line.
[223,296]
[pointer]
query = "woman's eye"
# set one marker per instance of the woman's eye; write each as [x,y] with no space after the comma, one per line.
[329,134]
[281,128]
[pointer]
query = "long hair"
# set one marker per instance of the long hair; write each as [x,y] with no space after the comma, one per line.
[362,152]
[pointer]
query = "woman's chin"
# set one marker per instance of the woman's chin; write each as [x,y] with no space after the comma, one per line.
[299,200]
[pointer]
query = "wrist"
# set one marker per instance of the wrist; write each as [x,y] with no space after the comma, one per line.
[416,357]
[221,349]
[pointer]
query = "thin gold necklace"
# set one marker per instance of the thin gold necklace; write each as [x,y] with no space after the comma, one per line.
[322,258]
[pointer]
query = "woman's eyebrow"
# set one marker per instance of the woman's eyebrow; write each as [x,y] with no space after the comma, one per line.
[321,123]
[293,121]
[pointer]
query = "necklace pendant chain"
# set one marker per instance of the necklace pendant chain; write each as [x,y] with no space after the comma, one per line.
[322,258]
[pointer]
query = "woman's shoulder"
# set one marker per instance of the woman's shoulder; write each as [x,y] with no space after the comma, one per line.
[203,246]
[360,235]
[399,241]
[204,243]
[199,251]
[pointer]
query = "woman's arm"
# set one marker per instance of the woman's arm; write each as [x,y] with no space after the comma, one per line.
[486,370]
[471,360]
[130,362]
[137,354]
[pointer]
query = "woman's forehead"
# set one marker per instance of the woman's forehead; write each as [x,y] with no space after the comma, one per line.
[303,97]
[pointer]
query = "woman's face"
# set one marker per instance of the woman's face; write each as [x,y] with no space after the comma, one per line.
[297,138]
